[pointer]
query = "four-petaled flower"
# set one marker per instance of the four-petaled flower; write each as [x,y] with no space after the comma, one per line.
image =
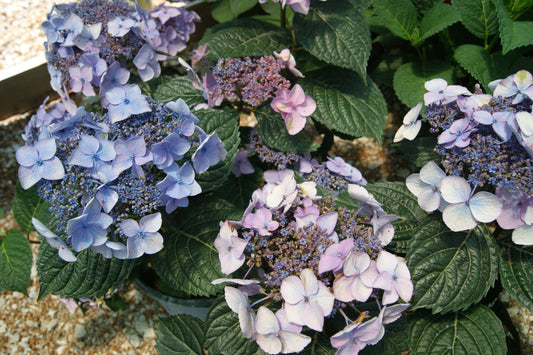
[143,237]
[394,278]
[125,101]
[294,106]
[230,248]
[39,162]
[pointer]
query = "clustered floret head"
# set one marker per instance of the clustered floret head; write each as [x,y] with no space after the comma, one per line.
[105,179]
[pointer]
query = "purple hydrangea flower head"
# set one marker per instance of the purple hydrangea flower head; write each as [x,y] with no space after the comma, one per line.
[230,248]
[514,206]
[131,153]
[125,101]
[276,334]
[97,65]
[119,27]
[53,27]
[411,125]
[465,208]
[80,79]
[358,335]
[92,152]
[357,281]
[241,164]
[179,182]
[458,135]
[307,300]
[38,162]
[394,278]
[260,221]
[90,228]
[441,92]
[519,84]
[170,149]
[144,236]
[288,61]
[54,241]
[426,186]
[294,106]
[333,257]
[498,120]
[209,152]
[146,62]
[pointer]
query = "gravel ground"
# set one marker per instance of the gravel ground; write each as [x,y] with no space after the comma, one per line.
[47,327]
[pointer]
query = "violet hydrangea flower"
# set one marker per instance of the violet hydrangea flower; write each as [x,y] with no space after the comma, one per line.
[241,164]
[357,281]
[307,300]
[38,162]
[54,241]
[131,153]
[394,278]
[179,182]
[144,236]
[209,152]
[90,228]
[357,335]
[294,106]
[440,92]
[289,61]
[125,101]
[230,248]
[92,152]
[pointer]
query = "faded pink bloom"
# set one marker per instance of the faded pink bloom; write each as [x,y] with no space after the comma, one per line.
[294,106]
[230,248]
[288,61]
[394,278]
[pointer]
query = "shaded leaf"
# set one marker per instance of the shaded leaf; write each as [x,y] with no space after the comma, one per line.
[180,334]
[474,331]
[15,262]
[227,10]
[399,16]
[179,87]
[28,204]
[336,33]
[420,150]
[409,80]
[516,265]
[451,270]
[478,17]
[514,34]
[345,103]
[439,17]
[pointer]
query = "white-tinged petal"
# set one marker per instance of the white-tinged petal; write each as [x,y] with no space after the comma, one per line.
[412,115]
[429,200]
[483,117]
[235,298]
[293,342]
[387,262]
[267,323]
[458,217]
[436,85]
[411,131]
[310,281]
[432,174]
[525,122]
[485,207]
[52,169]
[455,189]
[292,289]
[42,228]
[247,321]
[27,156]
[523,235]
[235,281]
[415,184]
[392,313]
[404,288]
[356,263]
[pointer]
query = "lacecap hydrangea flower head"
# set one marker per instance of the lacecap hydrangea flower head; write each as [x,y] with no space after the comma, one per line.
[91,44]
[310,259]
[107,178]
[486,145]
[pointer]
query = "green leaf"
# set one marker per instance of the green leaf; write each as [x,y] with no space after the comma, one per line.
[189,260]
[345,104]
[399,16]
[336,33]
[227,127]
[90,276]
[516,276]
[474,331]
[451,270]
[15,262]
[116,303]
[223,333]
[478,17]
[227,10]
[239,190]
[28,204]
[179,87]
[272,130]
[245,37]
[439,17]
[409,79]
[180,334]
[514,34]
[420,151]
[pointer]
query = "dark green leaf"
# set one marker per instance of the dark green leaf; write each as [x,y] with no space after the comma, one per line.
[245,37]
[238,190]
[116,303]
[336,33]
[227,127]
[451,270]
[227,10]
[409,80]
[514,34]
[439,17]
[478,16]
[223,334]
[90,276]
[189,260]
[420,151]
[28,204]
[179,87]
[399,16]
[272,130]
[516,265]
[15,262]
[345,103]
[474,331]
[180,334]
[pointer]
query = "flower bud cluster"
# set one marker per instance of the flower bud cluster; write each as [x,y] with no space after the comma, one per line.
[311,258]
[105,180]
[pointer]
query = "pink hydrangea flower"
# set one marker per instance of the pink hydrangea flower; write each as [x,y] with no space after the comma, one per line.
[230,248]
[357,335]
[289,61]
[294,106]
[307,300]
[357,282]
[394,278]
